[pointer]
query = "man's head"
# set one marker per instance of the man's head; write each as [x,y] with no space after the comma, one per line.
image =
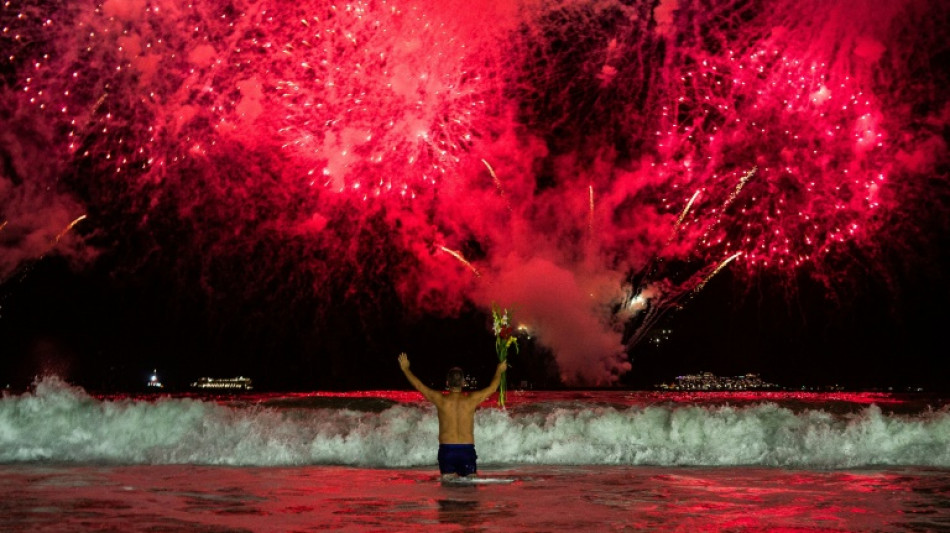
[455,379]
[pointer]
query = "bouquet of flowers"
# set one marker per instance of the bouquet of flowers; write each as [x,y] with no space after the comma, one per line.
[504,339]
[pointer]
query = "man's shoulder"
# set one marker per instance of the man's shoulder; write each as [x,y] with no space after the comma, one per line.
[463,398]
[473,399]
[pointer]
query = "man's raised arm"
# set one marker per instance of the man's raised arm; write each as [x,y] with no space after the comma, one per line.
[431,395]
[483,394]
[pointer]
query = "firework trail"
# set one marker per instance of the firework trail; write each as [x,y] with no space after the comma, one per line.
[715,271]
[67,228]
[461,259]
[679,221]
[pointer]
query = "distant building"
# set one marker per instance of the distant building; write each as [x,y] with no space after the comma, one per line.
[153,382]
[239,383]
[707,381]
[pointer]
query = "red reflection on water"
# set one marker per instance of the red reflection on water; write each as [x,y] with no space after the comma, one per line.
[788,501]
[766,396]
[521,397]
[205,498]
[395,395]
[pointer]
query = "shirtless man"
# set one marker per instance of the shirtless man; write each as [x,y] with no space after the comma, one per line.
[456,418]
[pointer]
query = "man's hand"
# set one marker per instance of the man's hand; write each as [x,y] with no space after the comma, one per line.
[404,361]
[502,366]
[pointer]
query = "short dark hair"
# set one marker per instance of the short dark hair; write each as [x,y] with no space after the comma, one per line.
[455,378]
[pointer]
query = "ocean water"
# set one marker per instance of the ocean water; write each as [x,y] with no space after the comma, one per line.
[365,461]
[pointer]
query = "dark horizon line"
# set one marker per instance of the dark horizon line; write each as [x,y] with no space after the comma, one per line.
[145,390]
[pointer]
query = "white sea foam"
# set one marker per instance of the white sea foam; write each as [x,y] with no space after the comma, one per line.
[60,423]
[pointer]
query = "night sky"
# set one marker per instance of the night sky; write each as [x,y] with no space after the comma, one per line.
[652,188]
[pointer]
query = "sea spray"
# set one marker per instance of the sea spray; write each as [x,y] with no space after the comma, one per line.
[61,423]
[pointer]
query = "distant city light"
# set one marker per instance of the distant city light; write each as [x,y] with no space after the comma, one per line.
[236,383]
[153,381]
[707,381]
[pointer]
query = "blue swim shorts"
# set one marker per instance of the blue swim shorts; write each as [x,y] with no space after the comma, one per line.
[457,459]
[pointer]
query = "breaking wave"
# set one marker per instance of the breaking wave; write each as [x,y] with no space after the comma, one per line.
[60,423]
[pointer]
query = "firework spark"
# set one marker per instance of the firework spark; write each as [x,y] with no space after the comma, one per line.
[590,211]
[679,221]
[66,230]
[458,255]
[715,271]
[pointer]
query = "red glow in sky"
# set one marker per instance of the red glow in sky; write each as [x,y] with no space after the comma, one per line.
[553,148]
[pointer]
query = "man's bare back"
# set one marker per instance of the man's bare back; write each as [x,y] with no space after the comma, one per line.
[456,409]
[457,418]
